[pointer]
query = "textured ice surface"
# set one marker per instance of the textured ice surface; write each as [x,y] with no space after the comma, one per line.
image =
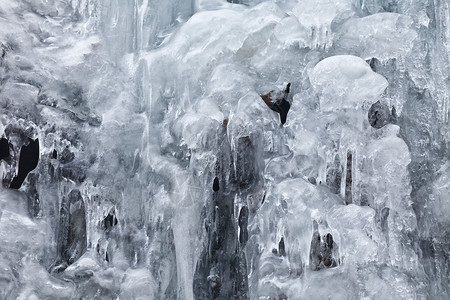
[164,170]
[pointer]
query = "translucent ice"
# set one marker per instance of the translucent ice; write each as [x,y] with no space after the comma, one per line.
[345,82]
[393,38]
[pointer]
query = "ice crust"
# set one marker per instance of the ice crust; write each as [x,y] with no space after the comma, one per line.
[153,133]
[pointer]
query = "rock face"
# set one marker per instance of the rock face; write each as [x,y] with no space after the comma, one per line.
[221,272]
[380,115]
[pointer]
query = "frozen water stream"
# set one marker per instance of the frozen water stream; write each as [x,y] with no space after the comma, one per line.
[205,149]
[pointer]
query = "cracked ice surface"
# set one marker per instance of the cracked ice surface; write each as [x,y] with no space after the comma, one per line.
[164,171]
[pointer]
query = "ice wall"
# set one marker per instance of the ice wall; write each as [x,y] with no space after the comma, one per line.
[164,170]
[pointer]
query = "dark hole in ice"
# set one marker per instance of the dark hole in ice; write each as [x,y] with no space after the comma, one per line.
[329,241]
[323,251]
[109,221]
[4,148]
[243,222]
[281,247]
[54,154]
[243,216]
[107,257]
[348,180]
[216,184]
[275,251]
[28,160]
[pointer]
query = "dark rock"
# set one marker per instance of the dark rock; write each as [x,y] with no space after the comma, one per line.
[288,88]
[348,179]
[280,104]
[282,107]
[28,160]
[379,115]
[4,148]
[66,156]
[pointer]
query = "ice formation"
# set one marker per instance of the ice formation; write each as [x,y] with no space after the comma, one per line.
[224,149]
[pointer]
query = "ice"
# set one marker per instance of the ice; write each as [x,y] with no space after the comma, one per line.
[345,82]
[318,16]
[222,149]
[360,37]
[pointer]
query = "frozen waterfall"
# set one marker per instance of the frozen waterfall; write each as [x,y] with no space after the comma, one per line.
[225,149]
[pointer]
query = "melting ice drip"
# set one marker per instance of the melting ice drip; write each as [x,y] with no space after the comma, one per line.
[224,149]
